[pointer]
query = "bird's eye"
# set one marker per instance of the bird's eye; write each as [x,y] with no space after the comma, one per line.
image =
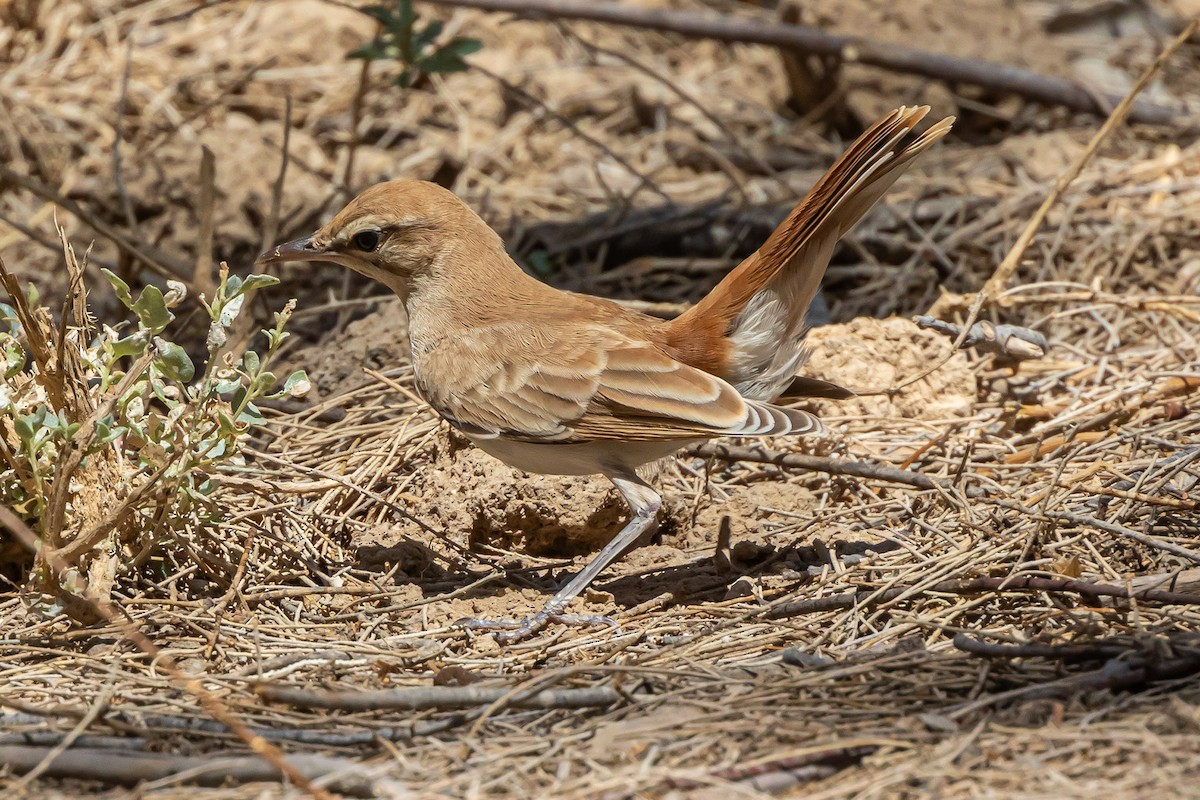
[366,241]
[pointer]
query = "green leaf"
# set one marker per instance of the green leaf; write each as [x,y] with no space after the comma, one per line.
[103,430]
[297,384]
[442,61]
[174,362]
[106,432]
[24,427]
[14,359]
[251,415]
[381,13]
[462,46]
[129,346]
[40,435]
[250,362]
[431,32]
[8,315]
[239,396]
[152,311]
[49,420]
[253,282]
[227,386]
[230,311]
[372,51]
[262,382]
[233,286]
[120,287]
[226,426]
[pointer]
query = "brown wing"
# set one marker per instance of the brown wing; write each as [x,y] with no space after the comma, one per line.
[592,383]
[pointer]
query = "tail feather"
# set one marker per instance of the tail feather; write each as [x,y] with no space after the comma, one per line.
[803,386]
[750,328]
[765,419]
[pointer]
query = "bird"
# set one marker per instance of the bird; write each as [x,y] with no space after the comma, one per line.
[556,382]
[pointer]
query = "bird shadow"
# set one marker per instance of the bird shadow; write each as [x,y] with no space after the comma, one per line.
[701,578]
[718,576]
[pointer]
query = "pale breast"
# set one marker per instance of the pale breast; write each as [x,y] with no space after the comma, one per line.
[584,458]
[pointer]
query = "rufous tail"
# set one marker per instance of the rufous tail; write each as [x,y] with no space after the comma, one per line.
[750,328]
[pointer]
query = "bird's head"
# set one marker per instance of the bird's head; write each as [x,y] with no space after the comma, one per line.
[398,233]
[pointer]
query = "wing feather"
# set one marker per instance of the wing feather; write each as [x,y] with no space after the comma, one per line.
[602,386]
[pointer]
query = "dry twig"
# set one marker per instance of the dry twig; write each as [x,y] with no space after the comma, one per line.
[1016,583]
[439,697]
[893,57]
[127,769]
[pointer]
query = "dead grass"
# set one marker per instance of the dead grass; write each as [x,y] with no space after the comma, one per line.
[361,530]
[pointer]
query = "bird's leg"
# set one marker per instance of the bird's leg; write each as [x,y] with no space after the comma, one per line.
[644,502]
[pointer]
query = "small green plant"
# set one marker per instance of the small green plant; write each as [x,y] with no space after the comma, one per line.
[415,48]
[111,439]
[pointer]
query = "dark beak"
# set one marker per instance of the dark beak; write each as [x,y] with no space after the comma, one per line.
[303,249]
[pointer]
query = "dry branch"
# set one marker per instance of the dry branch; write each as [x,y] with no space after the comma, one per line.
[127,769]
[202,270]
[864,597]
[1059,652]
[1011,341]
[1115,675]
[894,57]
[703,229]
[831,466]
[748,774]
[140,722]
[440,697]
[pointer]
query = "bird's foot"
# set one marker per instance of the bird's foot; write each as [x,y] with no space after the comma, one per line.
[514,630]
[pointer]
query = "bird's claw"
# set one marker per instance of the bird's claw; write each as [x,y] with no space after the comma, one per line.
[514,630]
